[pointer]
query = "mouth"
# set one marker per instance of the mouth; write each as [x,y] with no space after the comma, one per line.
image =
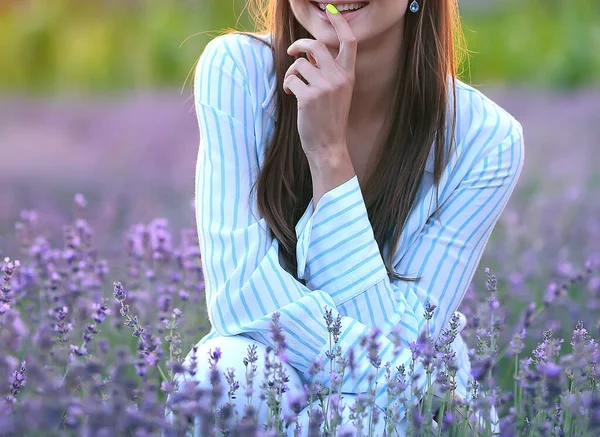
[347,9]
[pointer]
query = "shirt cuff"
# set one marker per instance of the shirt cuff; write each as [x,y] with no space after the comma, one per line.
[336,249]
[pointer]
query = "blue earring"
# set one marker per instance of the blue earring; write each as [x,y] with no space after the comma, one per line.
[414,6]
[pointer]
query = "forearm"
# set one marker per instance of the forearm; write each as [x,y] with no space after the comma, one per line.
[329,170]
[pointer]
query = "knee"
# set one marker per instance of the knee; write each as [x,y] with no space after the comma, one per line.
[347,403]
[233,351]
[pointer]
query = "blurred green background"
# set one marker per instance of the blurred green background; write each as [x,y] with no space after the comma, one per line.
[95,97]
[105,46]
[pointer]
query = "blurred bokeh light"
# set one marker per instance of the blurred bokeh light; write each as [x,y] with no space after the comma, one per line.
[95,95]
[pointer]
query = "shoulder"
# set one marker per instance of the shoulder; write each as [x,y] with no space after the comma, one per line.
[243,50]
[483,126]
[243,58]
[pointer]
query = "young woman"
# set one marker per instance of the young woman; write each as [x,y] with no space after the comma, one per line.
[342,166]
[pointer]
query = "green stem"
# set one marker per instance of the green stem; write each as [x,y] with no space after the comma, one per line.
[506,348]
[161,373]
[327,422]
[429,403]
[516,384]
[373,406]
[339,396]
[440,415]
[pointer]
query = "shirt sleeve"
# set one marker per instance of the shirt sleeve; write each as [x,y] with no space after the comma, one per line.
[244,281]
[337,251]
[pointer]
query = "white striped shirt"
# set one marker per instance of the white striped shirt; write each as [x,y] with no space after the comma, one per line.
[338,256]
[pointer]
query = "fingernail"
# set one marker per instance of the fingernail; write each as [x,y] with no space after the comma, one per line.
[331,8]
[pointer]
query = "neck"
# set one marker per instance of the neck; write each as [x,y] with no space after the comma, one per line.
[375,77]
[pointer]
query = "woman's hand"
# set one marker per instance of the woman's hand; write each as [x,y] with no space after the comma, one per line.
[323,103]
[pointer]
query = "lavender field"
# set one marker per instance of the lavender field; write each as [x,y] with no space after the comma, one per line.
[100,191]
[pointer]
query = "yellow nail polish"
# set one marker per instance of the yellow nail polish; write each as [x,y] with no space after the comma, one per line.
[331,8]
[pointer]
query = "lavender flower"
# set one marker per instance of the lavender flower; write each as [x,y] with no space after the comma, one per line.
[70,368]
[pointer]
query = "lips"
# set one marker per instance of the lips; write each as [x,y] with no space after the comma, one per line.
[340,4]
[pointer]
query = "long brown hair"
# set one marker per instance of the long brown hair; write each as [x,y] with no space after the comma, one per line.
[418,118]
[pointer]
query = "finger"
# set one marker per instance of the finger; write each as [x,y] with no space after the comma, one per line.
[294,85]
[346,57]
[308,71]
[317,50]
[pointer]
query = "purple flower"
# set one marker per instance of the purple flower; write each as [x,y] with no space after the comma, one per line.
[120,293]
[549,370]
[429,310]
[297,401]
[480,368]
[448,420]
[215,356]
